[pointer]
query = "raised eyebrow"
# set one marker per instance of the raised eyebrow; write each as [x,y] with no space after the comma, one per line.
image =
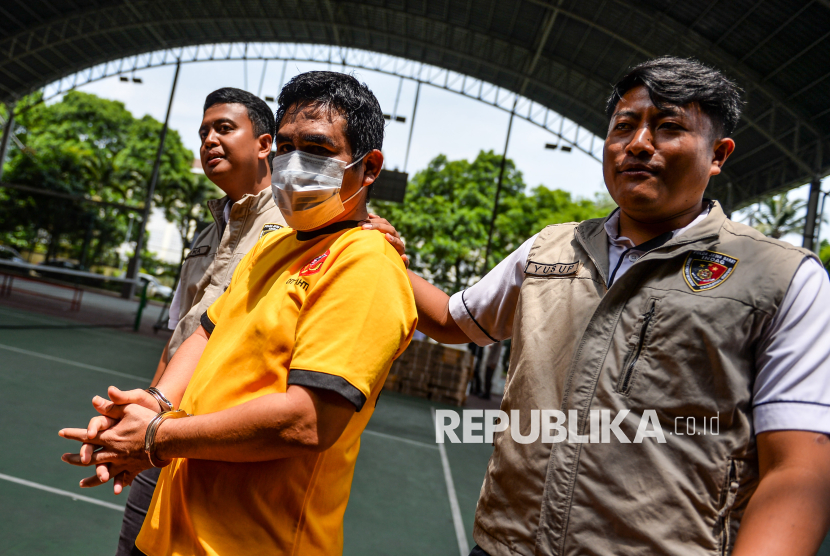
[319,139]
[625,114]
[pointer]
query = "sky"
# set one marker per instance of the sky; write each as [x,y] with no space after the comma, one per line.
[446,123]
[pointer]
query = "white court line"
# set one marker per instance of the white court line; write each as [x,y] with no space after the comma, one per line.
[460,534]
[401,439]
[71,495]
[122,338]
[73,363]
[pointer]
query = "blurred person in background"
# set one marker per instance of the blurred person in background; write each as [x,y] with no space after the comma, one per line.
[491,362]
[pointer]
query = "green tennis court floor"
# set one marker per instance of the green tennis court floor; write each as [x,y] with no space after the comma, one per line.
[400,503]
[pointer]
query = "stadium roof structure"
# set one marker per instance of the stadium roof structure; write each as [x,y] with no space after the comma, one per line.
[561,54]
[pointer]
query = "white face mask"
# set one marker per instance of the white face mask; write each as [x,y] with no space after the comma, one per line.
[306,188]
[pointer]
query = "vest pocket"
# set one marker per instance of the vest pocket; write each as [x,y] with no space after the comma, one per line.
[630,361]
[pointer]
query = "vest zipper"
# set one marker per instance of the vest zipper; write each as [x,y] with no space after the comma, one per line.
[625,380]
[730,494]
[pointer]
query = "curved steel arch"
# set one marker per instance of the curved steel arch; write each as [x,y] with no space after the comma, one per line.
[503,99]
[559,54]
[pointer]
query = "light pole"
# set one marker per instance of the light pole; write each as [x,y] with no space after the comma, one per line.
[135,263]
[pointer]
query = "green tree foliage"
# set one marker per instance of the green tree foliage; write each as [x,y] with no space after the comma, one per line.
[91,147]
[777,216]
[446,214]
[824,254]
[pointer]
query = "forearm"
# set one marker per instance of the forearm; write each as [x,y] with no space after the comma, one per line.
[786,515]
[434,318]
[176,376]
[162,364]
[789,513]
[270,427]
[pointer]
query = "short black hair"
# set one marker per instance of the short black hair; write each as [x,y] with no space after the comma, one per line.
[681,81]
[343,93]
[258,111]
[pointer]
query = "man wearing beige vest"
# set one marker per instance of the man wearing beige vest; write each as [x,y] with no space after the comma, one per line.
[665,309]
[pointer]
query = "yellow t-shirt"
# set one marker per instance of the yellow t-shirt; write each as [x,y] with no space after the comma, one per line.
[327,311]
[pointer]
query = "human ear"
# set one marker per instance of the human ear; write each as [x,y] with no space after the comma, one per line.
[720,152]
[265,141]
[372,164]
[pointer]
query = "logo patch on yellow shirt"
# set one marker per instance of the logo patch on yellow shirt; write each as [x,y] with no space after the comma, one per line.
[268,228]
[315,265]
[706,270]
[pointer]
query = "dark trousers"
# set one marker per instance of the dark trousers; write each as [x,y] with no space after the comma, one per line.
[476,386]
[488,381]
[477,551]
[138,502]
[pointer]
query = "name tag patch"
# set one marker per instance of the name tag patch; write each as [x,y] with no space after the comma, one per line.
[553,269]
[198,251]
[268,228]
[706,270]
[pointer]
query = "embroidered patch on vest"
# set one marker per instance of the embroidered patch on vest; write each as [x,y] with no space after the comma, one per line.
[705,270]
[268,228]
[315,265]
[554,269]
[198,251]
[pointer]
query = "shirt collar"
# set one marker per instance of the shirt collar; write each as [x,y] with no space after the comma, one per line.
[226,214]
[330,229]
[612,227]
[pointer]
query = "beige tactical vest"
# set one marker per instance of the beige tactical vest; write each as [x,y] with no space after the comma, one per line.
[677,334]
[209,266]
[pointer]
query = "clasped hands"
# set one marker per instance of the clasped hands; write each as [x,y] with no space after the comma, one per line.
[113,441]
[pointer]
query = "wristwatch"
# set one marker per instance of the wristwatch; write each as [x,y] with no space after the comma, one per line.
[164,403]
[150,434]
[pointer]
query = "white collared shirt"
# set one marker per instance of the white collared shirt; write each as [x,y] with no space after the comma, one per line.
[792,386]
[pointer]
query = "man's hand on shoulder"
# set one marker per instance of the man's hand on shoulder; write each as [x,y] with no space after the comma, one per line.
[382,225]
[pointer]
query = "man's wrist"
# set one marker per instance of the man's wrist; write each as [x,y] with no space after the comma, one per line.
[157,437]
[164,403]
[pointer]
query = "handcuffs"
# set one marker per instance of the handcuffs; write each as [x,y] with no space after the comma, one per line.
[167,412]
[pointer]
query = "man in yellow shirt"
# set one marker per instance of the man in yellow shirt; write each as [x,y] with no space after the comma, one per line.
[286,369]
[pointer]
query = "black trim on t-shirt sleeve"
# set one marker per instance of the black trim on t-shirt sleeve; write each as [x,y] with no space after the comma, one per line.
[325,381]
[206,323]
[473,318]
